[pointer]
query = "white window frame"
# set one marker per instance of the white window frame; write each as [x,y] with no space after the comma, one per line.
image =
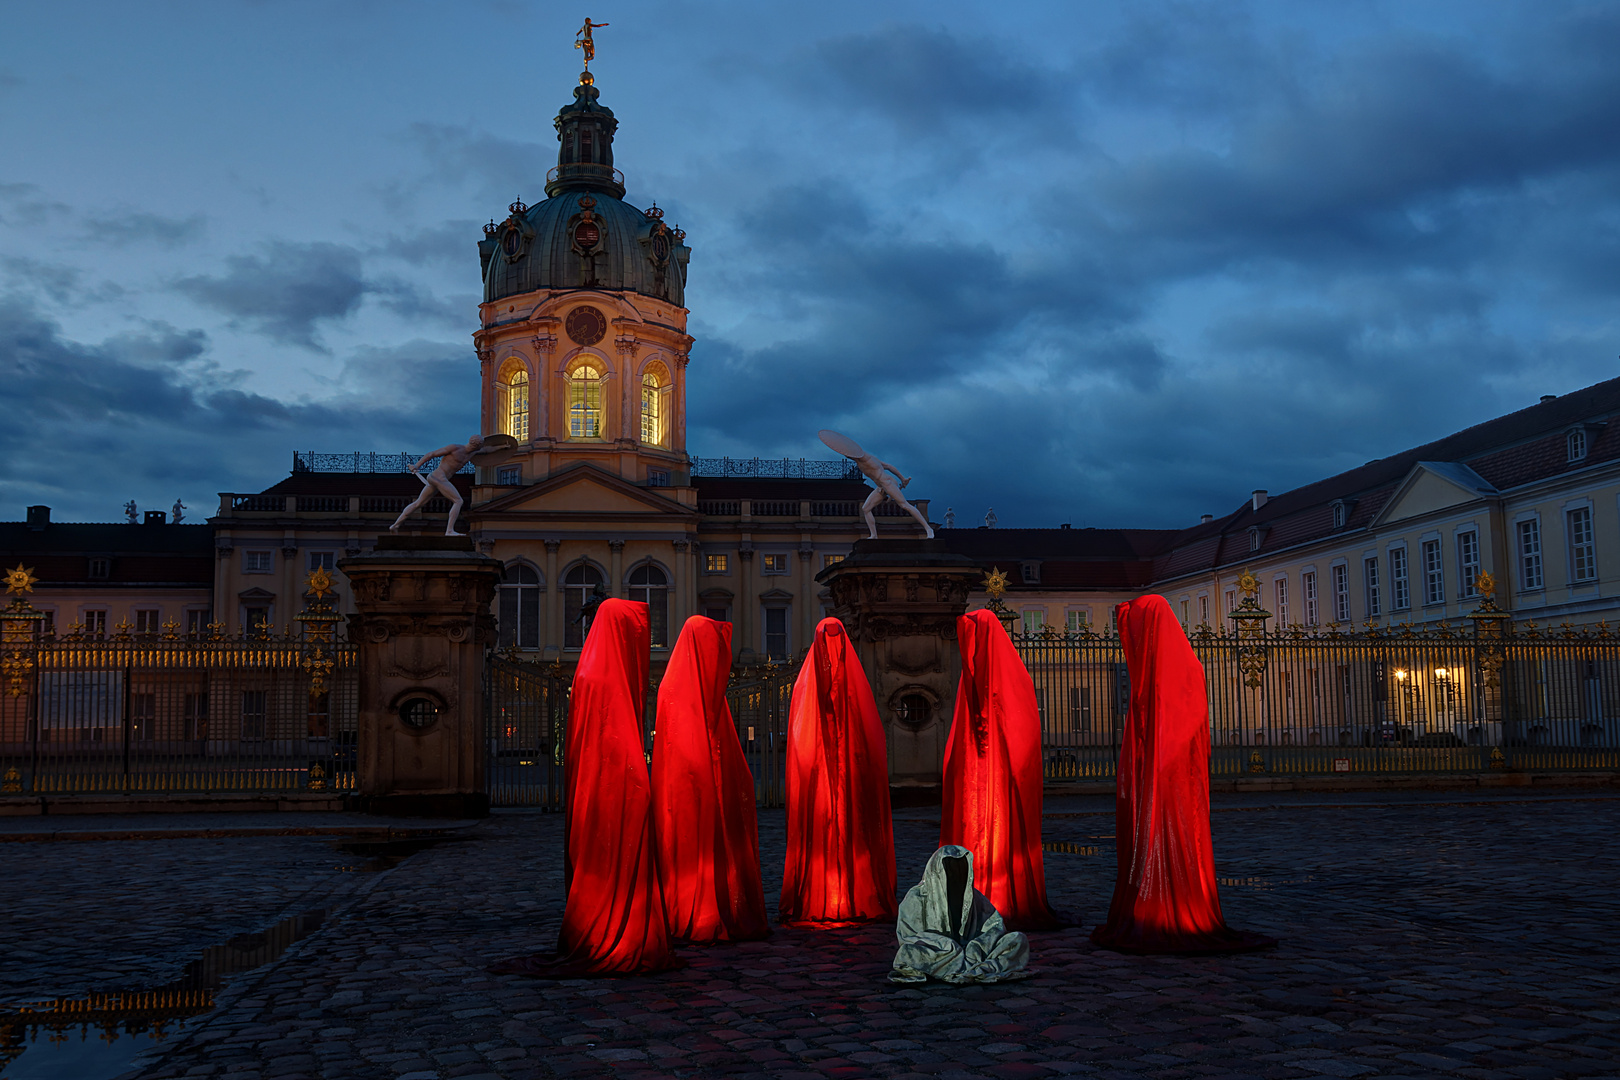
[1084,620]
[1313,605]
[1434,578]
[1576,445]
[1467,571]
[251,555]
[1400,577]
[1340,575]
[1031,620]
[1203,609]
[1279,598]
[156,626]
[1573,550]
[1369,586]
[1531,565]
[329,560]
[774,562]
[1031,573]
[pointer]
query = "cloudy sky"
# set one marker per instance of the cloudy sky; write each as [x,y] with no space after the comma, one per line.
[1107,263]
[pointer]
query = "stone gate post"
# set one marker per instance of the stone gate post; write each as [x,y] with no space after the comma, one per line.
[422,625]
[899,600]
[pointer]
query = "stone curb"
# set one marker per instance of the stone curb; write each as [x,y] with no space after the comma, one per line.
[1406,782]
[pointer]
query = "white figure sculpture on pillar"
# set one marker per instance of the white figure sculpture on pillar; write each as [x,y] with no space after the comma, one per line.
[877,472]
[481,450]
[451,459]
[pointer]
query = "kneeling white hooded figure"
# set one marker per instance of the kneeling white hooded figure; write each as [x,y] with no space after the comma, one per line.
[949,931]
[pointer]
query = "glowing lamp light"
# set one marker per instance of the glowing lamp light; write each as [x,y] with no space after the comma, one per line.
[1440,673]
[1400,674]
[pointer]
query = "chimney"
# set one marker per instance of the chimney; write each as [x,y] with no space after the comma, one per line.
[39,517]
[1205,519]
[1258,498]
[1065,525]
[1548,397]
[156,517]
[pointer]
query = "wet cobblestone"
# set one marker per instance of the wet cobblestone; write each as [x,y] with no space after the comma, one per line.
[1420,937]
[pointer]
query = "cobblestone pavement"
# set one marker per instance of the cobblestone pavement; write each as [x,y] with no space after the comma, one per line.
[1421,936]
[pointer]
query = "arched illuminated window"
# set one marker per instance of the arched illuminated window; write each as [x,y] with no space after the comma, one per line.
[519,621]
[655,402]
[580,587]
[512,400]
[650,585]
[585,402]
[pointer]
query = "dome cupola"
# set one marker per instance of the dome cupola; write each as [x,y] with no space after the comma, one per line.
[584,235]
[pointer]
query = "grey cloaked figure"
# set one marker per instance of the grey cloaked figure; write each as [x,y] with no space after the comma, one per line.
[949,931]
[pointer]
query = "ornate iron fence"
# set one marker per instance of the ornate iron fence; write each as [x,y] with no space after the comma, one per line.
[171,713]
[527,710]
[1375,699]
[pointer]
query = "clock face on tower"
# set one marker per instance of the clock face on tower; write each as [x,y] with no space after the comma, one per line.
[585,325]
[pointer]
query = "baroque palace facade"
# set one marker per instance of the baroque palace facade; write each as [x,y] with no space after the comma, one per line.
[583,351]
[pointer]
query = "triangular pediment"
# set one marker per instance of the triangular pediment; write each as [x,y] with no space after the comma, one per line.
[581,492]
[1433,486]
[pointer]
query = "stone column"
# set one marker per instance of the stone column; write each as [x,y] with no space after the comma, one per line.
[809,607]
[616,586]
[554,594]
[745,604]
[422,624]
[899,600]
[680,609]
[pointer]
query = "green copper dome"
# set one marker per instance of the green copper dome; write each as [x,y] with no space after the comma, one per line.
[584,235]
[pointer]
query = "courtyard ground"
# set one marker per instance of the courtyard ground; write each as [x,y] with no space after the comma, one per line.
[1422,934]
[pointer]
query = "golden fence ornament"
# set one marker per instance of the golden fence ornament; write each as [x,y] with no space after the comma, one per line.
[1249,628]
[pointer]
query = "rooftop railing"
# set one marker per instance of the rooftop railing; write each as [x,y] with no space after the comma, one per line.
[777,468]
[362,461]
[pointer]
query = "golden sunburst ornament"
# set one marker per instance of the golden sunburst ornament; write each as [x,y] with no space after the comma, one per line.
[1485,584]
[21,580]
[319,582]
[995,583]
[1247,582]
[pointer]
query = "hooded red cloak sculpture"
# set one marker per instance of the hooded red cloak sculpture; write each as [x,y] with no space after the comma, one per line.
[1165,898]
[613,923]
[993,779]
[840,839]
[703,797]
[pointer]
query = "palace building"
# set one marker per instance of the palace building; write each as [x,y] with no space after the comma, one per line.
[583,352]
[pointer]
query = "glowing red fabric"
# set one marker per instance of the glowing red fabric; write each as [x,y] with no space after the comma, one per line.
[703,797]
[992,784]
[1165,898]
[840,839]
[613,923]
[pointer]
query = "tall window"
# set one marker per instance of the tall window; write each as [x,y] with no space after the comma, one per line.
[143,716]
[1434,576]
[585,403]
[254,715]
[95,623]
[1530,554]
[1203,610]
[1341,593]
[655,392]
[1400,584]
[1034,620]
[1280,589]
[579,585]
[512,400]
[1577,446]
[520,606]
[1369,576]
[776,633]
[146,621]
[1468,562]
[1307,585]
[649,585]
[1075,619]
[1582,553]
[322,560]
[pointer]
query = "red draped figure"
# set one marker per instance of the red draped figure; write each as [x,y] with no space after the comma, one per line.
[993,776]
[703,797]
[840,839]
[613,923]
[1165,900]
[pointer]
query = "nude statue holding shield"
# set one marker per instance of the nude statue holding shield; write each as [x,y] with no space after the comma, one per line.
[480,450]
[878,472]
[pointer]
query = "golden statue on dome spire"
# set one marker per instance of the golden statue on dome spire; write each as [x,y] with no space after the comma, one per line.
[583,40]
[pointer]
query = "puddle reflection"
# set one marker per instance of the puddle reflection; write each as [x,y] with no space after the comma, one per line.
[53,1039]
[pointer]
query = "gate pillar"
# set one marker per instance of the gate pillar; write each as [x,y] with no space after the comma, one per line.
[422,626]
[899,600]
